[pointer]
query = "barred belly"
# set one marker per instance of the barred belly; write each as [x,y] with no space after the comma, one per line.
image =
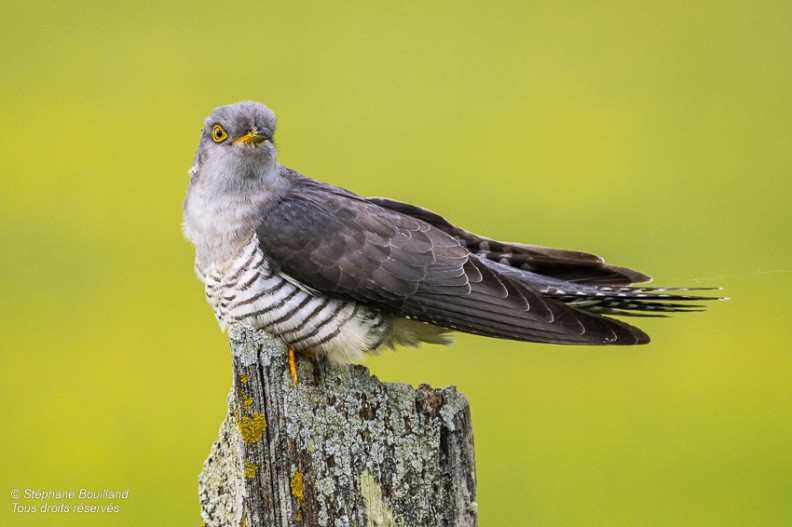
[248,290]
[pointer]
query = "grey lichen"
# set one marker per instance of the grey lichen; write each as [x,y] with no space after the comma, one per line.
[365,427]
[221,485]
[453,403]
[246,343]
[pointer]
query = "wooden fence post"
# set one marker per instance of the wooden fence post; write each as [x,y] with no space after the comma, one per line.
[339,449]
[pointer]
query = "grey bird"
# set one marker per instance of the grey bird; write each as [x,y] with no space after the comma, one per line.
[337,275]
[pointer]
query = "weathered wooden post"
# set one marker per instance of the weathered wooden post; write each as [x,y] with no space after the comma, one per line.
[339,449]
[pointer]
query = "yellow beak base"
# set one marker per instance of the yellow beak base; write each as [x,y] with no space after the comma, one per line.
[253,137]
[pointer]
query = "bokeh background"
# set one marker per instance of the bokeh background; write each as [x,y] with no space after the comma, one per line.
[655,134]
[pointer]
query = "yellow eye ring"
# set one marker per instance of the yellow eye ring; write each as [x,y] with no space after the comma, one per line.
[218,134]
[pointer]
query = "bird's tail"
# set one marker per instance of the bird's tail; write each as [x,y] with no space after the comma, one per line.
[632,301]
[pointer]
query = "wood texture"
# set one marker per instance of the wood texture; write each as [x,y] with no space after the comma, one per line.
[339,449]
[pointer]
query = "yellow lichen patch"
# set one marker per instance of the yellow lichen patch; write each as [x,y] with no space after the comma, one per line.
[250,470]
[297,491]
[244,378]
[247,401]
[252,428]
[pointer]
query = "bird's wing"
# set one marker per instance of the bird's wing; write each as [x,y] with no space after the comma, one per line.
[347,247]
[571,266]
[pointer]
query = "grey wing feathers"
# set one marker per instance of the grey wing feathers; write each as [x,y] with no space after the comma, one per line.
[348,247]
[571,266]
[581,280]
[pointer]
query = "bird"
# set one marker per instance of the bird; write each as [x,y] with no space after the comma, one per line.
[337,275]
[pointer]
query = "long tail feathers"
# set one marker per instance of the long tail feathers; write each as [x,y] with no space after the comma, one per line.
[633,301]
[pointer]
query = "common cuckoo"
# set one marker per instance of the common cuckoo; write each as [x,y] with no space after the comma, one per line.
[335,274]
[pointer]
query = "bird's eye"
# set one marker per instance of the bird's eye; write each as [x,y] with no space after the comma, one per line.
[218,133]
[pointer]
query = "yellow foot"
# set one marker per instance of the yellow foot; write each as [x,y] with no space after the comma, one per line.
[292,366]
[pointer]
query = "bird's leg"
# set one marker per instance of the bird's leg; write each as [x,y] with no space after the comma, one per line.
[292,366]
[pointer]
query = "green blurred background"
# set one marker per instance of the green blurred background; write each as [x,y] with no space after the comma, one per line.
[655,134]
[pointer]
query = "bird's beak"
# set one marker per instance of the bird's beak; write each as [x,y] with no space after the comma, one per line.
[255,136]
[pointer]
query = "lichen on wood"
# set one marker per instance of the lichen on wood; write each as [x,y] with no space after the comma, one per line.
[366,452]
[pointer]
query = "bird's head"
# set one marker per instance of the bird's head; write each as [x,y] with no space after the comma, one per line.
[236,149]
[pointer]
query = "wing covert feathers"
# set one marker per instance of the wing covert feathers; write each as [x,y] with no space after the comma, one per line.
[571,266]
